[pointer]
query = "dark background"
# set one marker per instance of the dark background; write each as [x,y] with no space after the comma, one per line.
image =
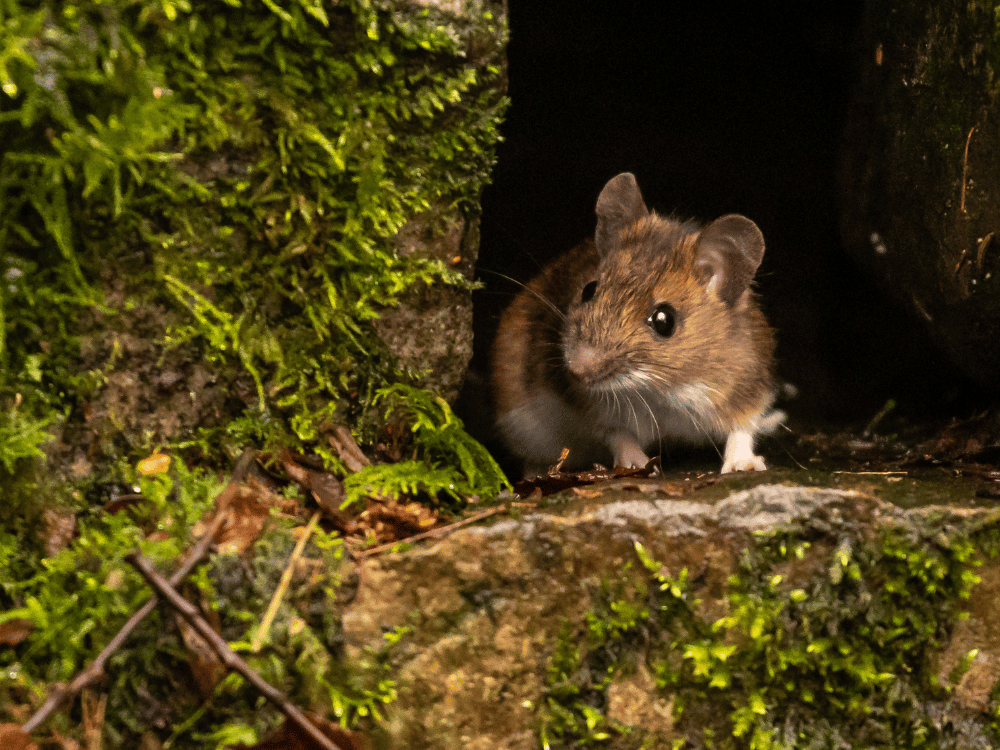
[716,109]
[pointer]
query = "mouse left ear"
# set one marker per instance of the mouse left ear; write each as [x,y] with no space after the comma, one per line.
[727,254]
[619,205]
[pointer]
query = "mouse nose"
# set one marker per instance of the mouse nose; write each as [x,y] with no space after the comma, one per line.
[586,362]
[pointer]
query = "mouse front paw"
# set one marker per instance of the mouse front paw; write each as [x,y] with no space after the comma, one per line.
[739,455]
[627,451]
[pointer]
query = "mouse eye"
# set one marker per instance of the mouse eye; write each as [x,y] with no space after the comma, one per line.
[588,292]
[663,320]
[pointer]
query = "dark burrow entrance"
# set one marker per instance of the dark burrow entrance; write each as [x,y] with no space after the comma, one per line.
[715,111]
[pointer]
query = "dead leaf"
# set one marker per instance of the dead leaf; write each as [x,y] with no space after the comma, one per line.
[14,631]
[59,528]
[557,480]
[391,521]
[64,743]
[290,736]
[93,706]
[206,666]
[326,489]
[12,738]
[249,510]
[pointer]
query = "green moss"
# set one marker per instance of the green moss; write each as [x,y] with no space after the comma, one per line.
[448,462]
[822,645]
[243,169]
[207,192]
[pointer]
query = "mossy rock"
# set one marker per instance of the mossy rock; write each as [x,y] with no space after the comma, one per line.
[780,616]
[206,208]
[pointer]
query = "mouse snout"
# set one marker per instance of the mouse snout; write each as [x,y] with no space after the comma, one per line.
[587,362]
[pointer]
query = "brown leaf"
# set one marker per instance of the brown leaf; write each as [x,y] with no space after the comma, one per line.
[206,666]
[391,521]
[326,489]
[14,631]
[64,743]
[557,480]
[59,528]
[249,509]
[290,737]
[93,706]
[12,738]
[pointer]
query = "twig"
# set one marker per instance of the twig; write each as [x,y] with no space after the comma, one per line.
[440,531]
[981,250]
[95,670]
[343,442]
[965,168]
[286,579]
[882,413]
[871,473]
[229,657]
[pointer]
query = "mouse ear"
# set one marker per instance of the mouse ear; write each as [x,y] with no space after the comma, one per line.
[619,205]
[727,254]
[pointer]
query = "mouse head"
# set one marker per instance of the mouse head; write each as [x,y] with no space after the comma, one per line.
[664,296]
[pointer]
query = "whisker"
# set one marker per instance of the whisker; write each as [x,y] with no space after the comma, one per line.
[551,305]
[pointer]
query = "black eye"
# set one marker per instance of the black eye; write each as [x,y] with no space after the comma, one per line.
[588,292]
[663,320]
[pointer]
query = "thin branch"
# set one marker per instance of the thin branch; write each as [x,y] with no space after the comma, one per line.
[95,670]
[286,579]
[433,533]
[229,657]
[965,168]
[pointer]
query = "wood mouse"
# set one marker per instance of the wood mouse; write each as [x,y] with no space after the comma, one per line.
[648,333]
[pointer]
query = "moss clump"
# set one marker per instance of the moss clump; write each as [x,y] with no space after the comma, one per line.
[822,646]
[224,180]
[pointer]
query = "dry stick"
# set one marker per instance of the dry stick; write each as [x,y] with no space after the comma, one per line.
[286,579]
[229,657]
[443,530]
[965,167]
[95,670]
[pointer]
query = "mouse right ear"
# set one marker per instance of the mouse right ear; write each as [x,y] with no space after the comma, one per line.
[619,205]
[727,254]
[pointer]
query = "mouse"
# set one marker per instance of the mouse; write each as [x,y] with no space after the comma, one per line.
[648,333]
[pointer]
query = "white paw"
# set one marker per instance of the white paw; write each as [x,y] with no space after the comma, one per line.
[739,455]
[627,451]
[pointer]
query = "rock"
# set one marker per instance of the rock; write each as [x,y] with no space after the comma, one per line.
[921,170]
[489,606]
[430,330]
